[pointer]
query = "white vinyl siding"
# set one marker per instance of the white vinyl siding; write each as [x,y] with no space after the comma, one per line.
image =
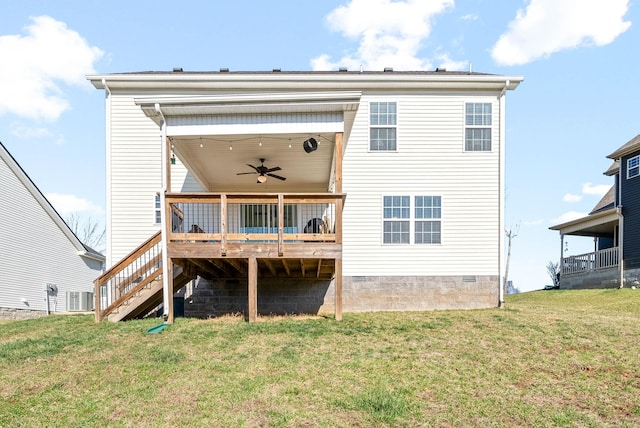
[135,176]
[431,162]
[36,251]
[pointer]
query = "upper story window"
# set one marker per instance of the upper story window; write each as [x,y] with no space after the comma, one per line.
[477,132]
[633,167]
[382,121]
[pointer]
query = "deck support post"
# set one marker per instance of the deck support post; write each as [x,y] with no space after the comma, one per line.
[169,309]
[253,289]
[338,290]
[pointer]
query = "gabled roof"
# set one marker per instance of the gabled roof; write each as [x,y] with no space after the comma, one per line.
[631,146]
[607,201]
[613,169]
[82,249]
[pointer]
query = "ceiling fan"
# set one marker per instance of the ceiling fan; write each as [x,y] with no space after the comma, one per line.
[263,172]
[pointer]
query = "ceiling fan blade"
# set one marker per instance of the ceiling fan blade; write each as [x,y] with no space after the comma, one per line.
[244,173]
[277,176]
[276,168]
[254,167]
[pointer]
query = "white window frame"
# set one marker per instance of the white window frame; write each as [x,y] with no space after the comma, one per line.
[429,214]
[157,209]
[380,126]
[413,215]
[478,123]
[633,164]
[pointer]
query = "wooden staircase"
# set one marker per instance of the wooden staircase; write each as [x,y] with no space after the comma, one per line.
[132,288]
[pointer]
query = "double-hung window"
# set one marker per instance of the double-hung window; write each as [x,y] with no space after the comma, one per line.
[397,214]
[477,132]
[157,209]
[382,122]
[428,211]
[399,225]
[633,167]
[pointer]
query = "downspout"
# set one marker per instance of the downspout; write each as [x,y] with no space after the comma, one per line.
[108,261]
[166,295]
[501,215]
[620,228]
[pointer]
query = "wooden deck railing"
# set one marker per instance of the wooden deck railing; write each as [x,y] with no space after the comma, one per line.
[601,259]
[255,218]
[128,276]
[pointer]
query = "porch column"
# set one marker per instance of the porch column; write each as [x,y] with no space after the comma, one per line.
[561,262]
[253,289]
[338,226]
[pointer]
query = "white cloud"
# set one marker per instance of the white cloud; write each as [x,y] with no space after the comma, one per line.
[68,204]
[390,34]
[598,189]
[469,17]
[29,132]
[533,222]
[569,197]
[568,216]
[549,26]
[34,66]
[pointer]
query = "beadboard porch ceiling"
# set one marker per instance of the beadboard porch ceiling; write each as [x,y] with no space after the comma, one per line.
[216,160]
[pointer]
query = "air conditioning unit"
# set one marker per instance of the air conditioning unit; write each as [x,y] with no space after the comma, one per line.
[79,301]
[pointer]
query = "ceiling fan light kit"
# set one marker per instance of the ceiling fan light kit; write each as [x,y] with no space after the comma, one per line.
[263,172]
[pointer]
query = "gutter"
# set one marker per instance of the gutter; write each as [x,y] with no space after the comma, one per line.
[502,188]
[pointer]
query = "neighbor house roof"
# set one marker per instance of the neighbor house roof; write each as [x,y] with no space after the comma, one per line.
[607,201]
[614,168]
[83,250]
[631,146]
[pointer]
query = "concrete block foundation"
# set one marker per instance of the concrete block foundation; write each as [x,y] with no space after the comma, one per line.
[360,294]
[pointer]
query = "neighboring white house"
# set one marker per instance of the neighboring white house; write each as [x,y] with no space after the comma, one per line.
[419,156]
[44,268]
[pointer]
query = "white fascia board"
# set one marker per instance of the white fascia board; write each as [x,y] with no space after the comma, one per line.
[591,220]
[305,81]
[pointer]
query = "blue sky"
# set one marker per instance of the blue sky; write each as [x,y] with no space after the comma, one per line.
[578,102]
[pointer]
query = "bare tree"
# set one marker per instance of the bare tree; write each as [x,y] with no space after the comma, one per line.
[510,235]
[87,230]
[553,269]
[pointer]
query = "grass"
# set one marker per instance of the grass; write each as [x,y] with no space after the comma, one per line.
[550,358]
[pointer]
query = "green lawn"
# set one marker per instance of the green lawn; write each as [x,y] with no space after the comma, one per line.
[550,358]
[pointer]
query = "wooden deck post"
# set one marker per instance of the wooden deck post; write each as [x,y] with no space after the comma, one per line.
[338,290]
[170,313]
[253,289]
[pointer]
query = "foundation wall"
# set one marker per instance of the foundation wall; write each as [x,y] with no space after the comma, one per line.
[360,294]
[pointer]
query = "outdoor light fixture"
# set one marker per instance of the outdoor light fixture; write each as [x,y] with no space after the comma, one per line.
[262,178]
[173,159]
[310,145]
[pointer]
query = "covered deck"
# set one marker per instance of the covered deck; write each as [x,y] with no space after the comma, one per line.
[600,266]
